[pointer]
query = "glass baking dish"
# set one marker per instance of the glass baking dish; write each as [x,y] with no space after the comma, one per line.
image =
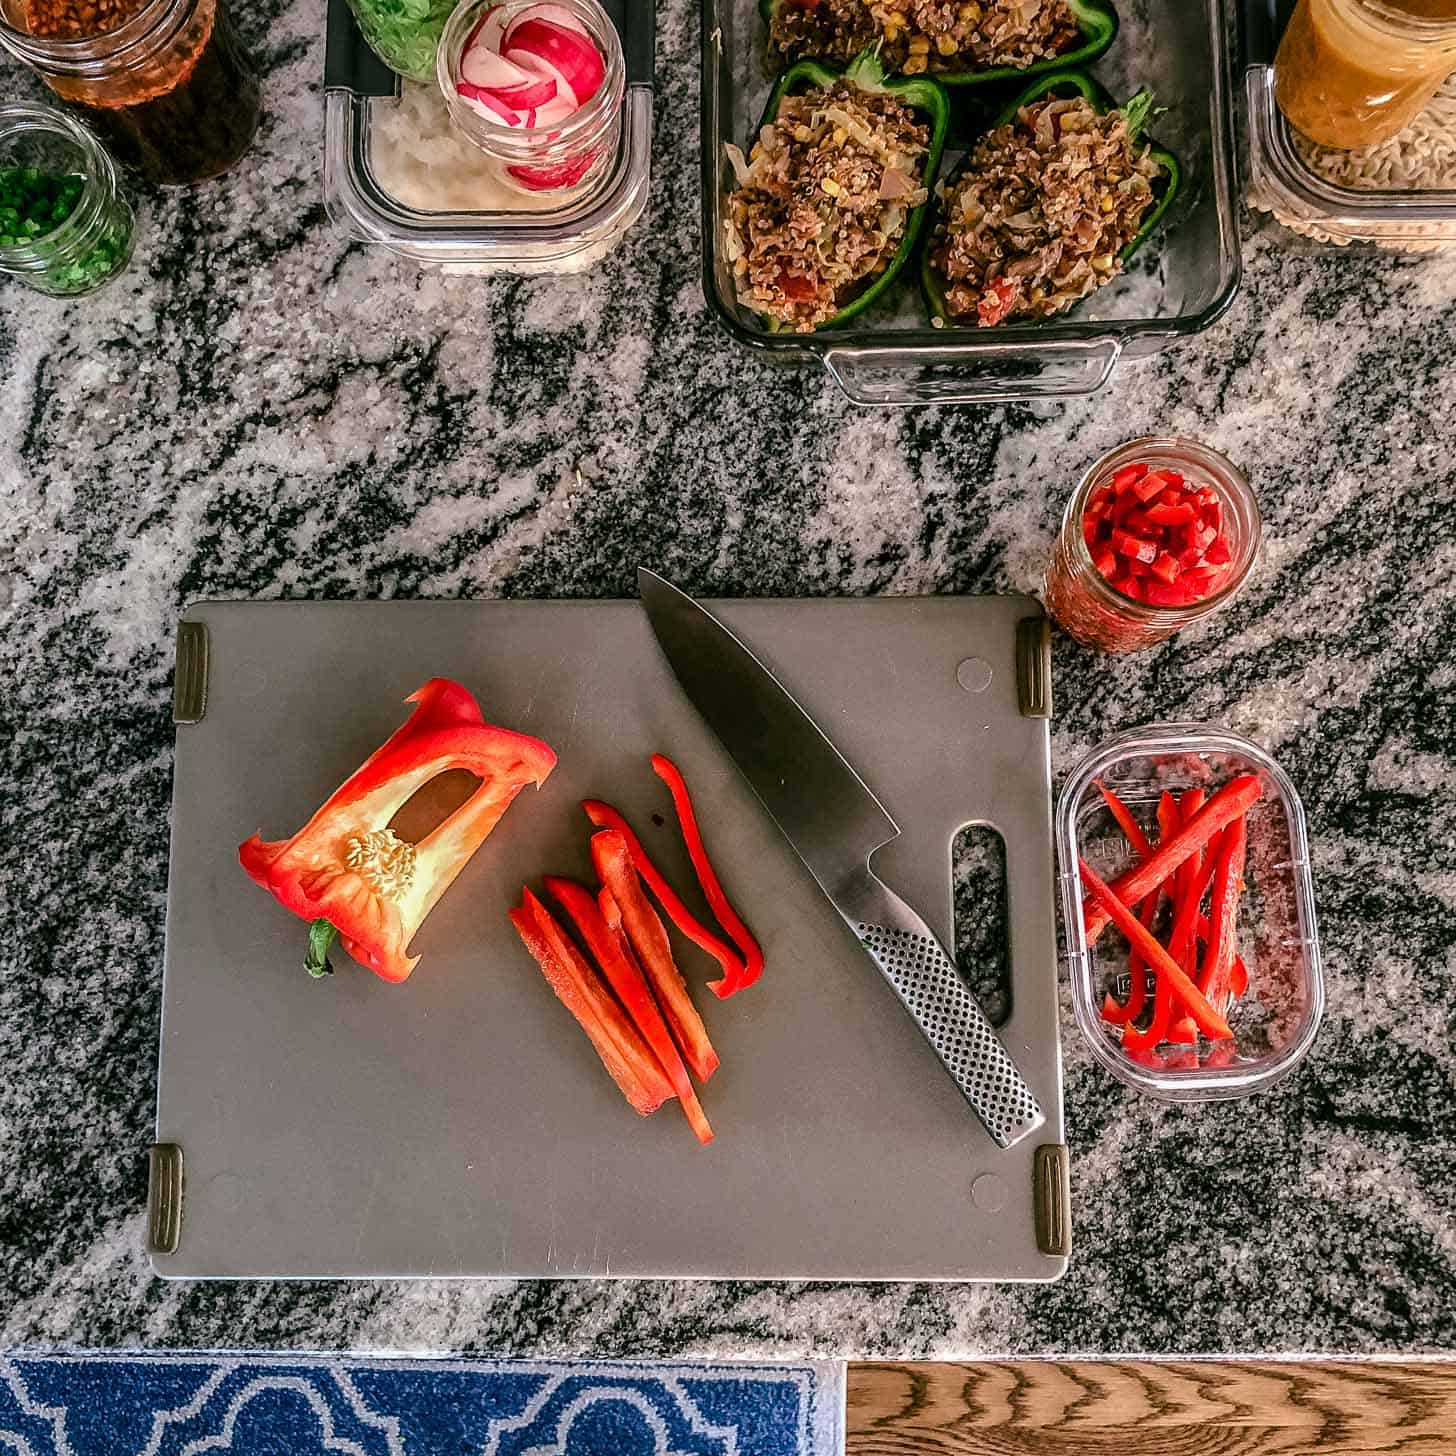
[1282,181]
[548,233]
[1275,1021]
[1177,285]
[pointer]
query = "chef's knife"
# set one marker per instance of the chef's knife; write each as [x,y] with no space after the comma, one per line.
[835,823]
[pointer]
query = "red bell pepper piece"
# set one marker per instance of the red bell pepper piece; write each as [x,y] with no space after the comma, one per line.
[742,937]
[608,946]
[1209,1021]
[1232,800]
[346,866]
[1124,480]
[1166,568]
[606,817]
[1126,544]
[1157,1029]
[1152,485]
[1166,514]
[1228,884]
[623,1052]
[648,938]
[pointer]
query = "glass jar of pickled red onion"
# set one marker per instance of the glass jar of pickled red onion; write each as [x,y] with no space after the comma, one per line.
[543,142]
[1082,599]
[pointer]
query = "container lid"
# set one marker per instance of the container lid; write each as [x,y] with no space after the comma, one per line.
[1282,179]
[549,233]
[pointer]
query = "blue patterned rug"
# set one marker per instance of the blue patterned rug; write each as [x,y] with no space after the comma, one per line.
[186,1405]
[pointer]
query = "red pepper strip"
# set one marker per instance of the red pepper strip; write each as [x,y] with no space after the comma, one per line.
[623,1052]
[606,817]
[742,937]
[1125,821]
[1209,1021]
[648,938]
[1233,799]
[347,866]
[625,977]
[1157,1028]
[1182,938]
[1137,980]
[1228,884]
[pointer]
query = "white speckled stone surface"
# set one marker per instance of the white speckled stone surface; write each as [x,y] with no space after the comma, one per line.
[262,409]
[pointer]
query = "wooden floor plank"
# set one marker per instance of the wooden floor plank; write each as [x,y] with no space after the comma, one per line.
[1178,1408]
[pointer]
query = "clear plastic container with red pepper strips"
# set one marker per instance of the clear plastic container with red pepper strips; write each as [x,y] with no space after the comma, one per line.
[1275,1019]
[1082,596]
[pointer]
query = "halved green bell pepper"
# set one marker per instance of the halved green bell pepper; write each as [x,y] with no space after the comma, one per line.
[1096,19]
[1066,84]
[919,93]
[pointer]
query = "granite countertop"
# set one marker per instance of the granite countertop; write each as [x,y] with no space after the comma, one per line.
[261,408]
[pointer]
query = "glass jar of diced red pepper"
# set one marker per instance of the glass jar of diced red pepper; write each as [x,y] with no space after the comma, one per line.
[1159,533]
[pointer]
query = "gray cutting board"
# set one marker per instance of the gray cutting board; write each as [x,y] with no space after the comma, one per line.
[460,1124]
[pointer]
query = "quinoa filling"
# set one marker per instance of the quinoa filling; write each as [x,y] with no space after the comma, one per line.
[822,201]
[917,36]
[1041,213]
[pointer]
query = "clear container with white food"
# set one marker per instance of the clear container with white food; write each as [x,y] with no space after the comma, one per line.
[1399,195]
[399,173]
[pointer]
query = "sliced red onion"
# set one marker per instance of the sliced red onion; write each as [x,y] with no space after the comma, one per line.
[534,91]
[527,61]
[481,66]
[574,55]
[556,14]
[486,104]
[547,179]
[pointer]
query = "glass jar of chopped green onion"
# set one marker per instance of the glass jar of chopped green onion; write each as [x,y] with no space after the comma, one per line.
[65,228]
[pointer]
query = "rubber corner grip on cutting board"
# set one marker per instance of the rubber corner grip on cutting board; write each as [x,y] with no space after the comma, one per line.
[1034,667]
[1051,1198]
[164,1199]
[189,684]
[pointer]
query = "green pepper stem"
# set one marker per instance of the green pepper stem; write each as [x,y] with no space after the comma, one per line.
[1137,111]
[321,937]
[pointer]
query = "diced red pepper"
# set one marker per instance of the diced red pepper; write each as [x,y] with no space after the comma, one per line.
[606,817]
[1232,800]
[1218,553]
[1151,486]
[1106,562]
[648,938]
[623,1052]
[1164,514]
[1126,544]
[997,300]
[1129,587]
[608,945]
[1165,567]
[1139,569]
[1127,477]
[347,867]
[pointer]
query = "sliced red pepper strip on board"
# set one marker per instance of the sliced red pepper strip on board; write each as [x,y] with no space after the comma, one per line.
[1228,884]
[648,938]
[1209,1021]
[742,937]
[625,977]
[1232,800]
[604,816]
[623,1052]
[347,866]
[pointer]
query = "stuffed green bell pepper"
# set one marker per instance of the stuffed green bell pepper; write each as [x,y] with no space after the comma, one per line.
[1047,207]
[960,42]
[833,192]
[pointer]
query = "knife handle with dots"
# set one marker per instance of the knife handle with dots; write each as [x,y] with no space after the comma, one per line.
[933,991]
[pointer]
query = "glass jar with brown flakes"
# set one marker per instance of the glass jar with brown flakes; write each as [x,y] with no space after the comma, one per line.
[166,82]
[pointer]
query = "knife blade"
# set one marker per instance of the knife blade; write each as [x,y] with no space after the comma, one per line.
[835,823]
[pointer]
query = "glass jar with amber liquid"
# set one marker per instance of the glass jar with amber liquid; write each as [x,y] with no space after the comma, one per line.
[1351,73]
